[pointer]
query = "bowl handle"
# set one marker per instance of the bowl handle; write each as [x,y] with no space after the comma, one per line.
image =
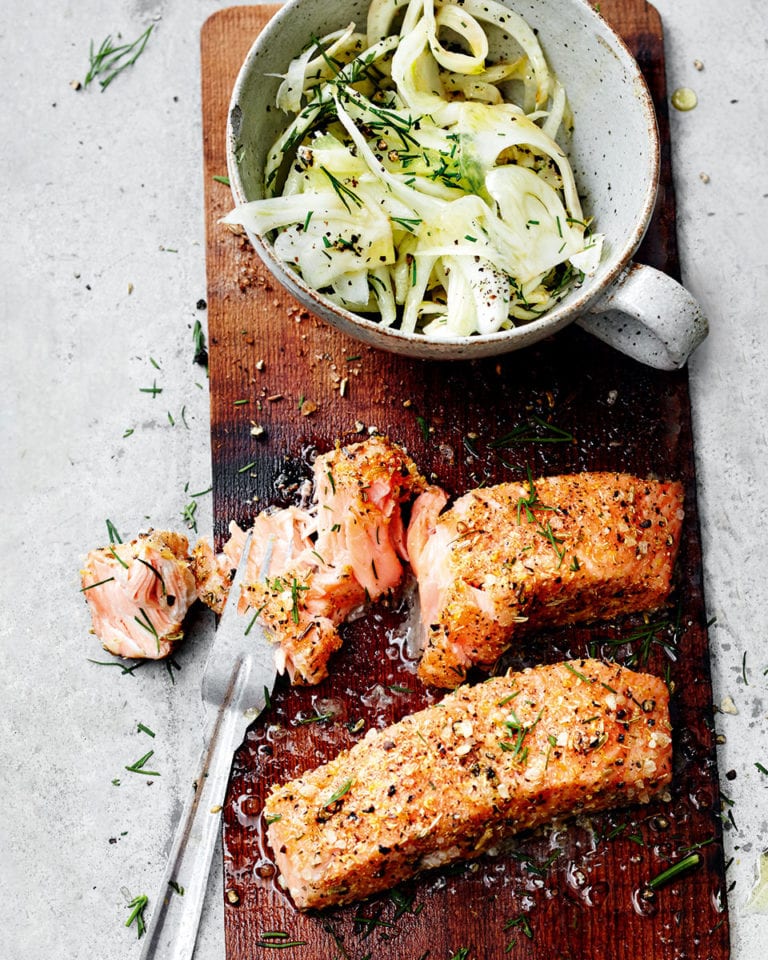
[648,316]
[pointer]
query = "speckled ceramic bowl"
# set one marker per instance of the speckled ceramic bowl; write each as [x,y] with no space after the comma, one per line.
[614,152]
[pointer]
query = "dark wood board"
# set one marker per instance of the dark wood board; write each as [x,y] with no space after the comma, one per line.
[576,885]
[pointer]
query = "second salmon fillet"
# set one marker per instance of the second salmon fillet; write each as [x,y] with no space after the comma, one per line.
[450,782]
[508,559]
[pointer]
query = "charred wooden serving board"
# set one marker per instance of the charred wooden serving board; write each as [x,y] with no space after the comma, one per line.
[569,892]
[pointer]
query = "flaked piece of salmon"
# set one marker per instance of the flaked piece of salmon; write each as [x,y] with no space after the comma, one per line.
[138,593]
[310,570]
[278,537]
[450,782]
[508,559]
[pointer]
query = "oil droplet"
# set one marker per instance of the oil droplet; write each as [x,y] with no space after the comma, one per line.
[595,894]
[684,99]
[644,902]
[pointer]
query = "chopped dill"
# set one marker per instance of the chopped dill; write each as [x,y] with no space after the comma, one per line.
[109,60]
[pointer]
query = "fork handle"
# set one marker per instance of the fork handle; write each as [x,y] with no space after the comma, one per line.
[172,928]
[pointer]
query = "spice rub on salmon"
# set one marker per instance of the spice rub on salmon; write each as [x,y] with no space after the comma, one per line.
[138,593]
[450,782]
[512,558]
[310,570]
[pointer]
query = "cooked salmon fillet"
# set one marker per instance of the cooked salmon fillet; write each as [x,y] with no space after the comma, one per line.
[138,593]
[512,558]
[310,570]
[448,783]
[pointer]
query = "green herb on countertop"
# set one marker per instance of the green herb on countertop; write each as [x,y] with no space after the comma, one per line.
[170,666]
[114,536]
[128,432]
[144,729]
[154,389]
[117,663]
[137,907]
[188,515]
[109,60]
[219,179]
[761,768]
[176,887]
[138,766]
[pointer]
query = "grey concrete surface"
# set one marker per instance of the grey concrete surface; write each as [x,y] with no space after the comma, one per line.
[102,268]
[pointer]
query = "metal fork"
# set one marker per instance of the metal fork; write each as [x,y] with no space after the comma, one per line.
[238,679]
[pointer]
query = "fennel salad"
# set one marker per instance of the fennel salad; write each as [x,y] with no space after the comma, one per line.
[421,183]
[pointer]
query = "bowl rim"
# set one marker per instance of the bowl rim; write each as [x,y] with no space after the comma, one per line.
[548,323]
